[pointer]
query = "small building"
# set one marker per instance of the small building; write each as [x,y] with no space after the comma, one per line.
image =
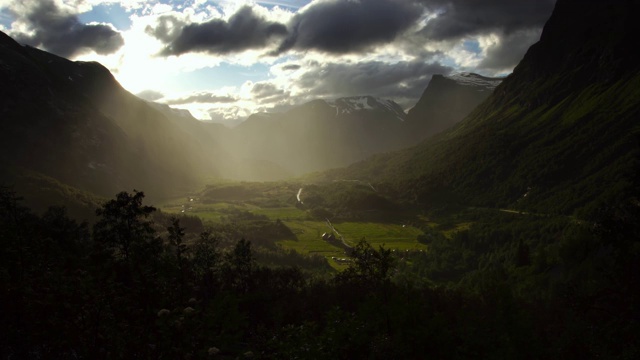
[328,237]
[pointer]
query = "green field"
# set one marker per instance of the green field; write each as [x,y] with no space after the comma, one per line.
[308,232]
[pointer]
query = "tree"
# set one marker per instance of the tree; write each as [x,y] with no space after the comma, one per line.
[205,263]
[371,264]
[239,266]
[523,257]
[370,268]
[124,229]
[176,235]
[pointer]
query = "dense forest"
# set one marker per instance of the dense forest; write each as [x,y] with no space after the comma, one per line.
[130,288]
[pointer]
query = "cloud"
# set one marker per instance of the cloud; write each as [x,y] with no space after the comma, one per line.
[58,30]
[167,29]
[268,92]
[150,95]
[243,31]
[291,67]
[402,81]
[460,18]
[505,54]
[203,97]
[228,113]
[349,26]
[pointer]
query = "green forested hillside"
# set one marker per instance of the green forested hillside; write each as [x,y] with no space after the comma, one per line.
[559,135]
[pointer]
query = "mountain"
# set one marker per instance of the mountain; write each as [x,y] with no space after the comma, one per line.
[368,104]
[73,122]
[446,101]
[559,135]
[320,134]
[324,134]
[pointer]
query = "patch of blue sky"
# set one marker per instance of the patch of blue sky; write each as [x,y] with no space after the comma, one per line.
[217,77]
[450,62]
[6,18]
[287,4]
[285,59]
[472,46]
[178,4]
[108,13]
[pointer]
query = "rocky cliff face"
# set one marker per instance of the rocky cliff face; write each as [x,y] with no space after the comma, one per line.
[446,101]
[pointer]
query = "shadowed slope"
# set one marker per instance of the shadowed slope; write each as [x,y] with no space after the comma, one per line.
[559,134]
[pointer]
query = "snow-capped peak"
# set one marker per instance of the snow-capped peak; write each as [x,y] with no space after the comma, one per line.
[350,105]
[475,80]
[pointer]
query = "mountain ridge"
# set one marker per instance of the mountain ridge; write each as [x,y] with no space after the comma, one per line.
[446,101]
[74,122]
[574,149]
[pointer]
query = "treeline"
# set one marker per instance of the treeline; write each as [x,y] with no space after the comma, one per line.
[351,200]
[119,290]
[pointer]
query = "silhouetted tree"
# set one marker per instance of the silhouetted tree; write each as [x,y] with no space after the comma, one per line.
[123,226]
[239,266]
[176,236]
[370,264]
[205,262]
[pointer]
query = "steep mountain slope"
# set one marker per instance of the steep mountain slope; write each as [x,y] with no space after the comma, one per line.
[72,121]
[446,101]
[561,134]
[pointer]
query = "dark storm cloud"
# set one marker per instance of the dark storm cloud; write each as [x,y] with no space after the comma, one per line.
[167,29]
[206,98]
[509,51]
[150,95]
[348,26]
[268,92]
[291,67]
[459,18]
[403,80]
[245,30]
[62,33]
[262,90]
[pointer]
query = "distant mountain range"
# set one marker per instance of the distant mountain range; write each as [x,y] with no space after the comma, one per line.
[72,122]
[325,134]
[320,135]
[559,135]
[367,104]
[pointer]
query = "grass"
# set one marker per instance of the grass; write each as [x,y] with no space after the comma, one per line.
[450,232]
[308,232]
[309,238]
[282,213]
[394,236]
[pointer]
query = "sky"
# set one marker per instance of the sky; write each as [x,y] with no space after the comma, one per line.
[224,60]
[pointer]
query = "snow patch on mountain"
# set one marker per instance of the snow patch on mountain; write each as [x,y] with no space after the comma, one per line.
[353,104]
[474,80]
